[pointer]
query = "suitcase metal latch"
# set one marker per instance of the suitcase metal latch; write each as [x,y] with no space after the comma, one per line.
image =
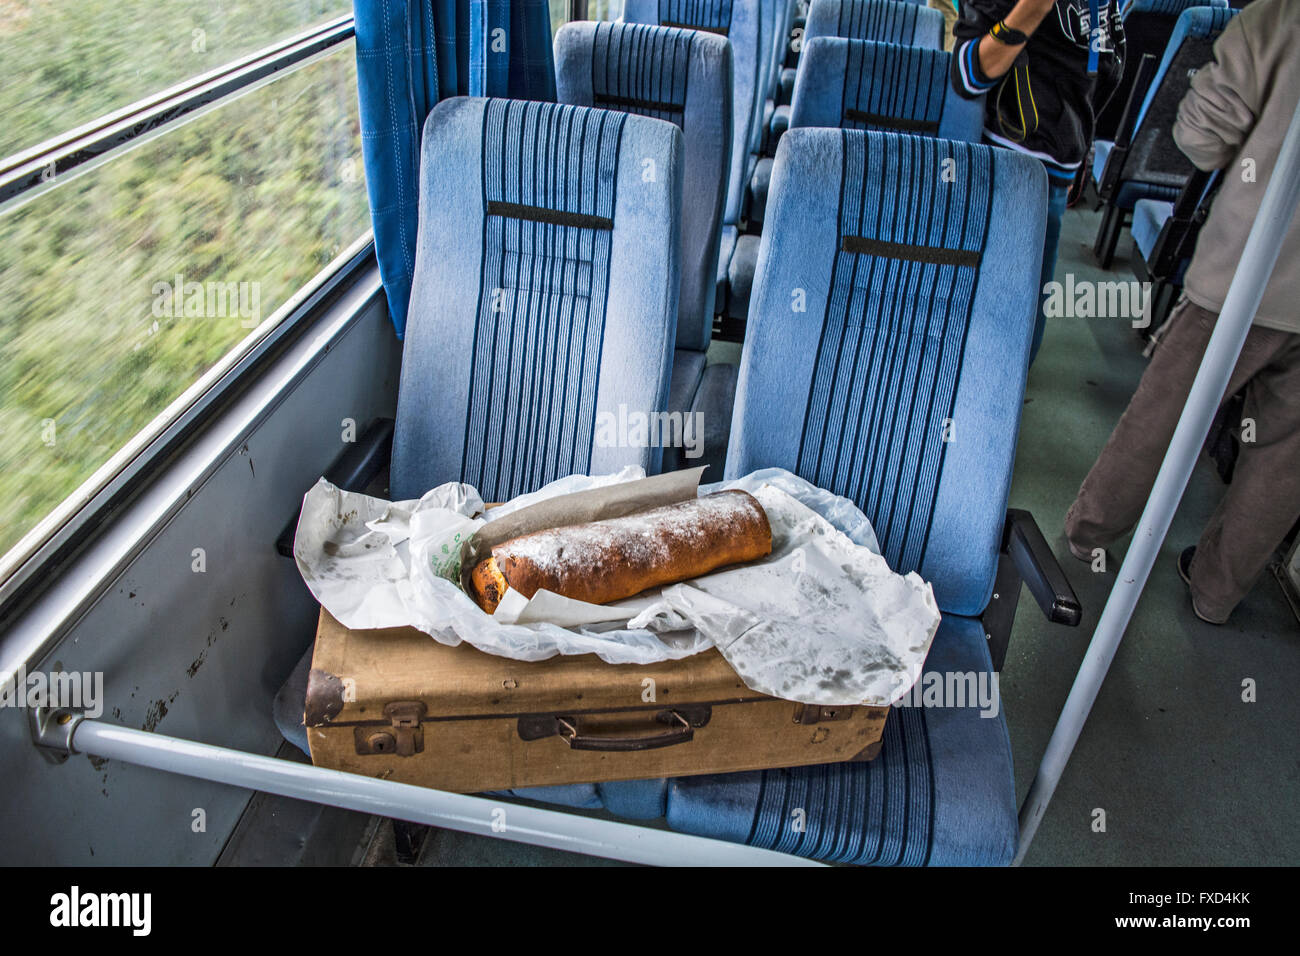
[405,736]
[818,714]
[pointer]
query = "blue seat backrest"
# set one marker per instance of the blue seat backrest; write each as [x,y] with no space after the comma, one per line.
[683,77]
[1153,156]
[888,339]
[1169,8]
[1193,41]
[544,294]
[857,84]
[739,22]
[782,20]
[1148,25]
[885,21]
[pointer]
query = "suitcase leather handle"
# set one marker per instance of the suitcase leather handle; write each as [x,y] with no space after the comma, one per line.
[684,718]
[570,729]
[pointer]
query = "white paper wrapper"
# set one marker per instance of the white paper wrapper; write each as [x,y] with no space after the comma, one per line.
[822,620]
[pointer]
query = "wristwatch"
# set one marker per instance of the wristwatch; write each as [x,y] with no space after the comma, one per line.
[1008,35]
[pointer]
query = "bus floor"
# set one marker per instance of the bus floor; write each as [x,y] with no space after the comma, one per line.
[1174,767]
[1185,771]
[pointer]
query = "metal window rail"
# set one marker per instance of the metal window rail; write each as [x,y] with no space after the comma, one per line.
[25,175]
[1276,211]
[63,732]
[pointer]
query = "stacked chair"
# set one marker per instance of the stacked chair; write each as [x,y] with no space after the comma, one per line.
[1143,162]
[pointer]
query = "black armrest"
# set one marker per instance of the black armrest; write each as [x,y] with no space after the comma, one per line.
[1113,171]
[1038,567]
[353,470]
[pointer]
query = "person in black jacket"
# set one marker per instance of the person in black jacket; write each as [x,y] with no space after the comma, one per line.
[1039,63]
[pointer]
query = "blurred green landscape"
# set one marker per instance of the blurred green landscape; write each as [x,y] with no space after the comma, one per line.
[264,190]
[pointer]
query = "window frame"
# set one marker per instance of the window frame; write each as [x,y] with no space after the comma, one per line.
[30,172]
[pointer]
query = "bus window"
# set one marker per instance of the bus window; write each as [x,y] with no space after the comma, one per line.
[68,62]
[124,283]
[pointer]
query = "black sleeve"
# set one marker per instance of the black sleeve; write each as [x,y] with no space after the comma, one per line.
[977,17]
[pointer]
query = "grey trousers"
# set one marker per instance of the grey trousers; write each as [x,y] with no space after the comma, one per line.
[1262,502]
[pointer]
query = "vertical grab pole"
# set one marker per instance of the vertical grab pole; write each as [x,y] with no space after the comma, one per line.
[1244,294]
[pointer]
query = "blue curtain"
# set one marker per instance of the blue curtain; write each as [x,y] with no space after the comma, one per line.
[510,50]
[410,55]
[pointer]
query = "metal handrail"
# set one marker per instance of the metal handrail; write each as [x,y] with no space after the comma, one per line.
[63,732]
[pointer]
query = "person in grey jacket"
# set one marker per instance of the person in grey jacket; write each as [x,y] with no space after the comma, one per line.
[1233,118]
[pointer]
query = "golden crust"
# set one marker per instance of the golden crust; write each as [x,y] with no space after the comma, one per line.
[606,561]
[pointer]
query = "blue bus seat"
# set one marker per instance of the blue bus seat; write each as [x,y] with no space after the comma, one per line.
[861,84]
[916,314]
[940,793]
[740,22]
[1148,25]
[1149,216]
[682,77]
[1144,162]
[545,292]
[909,22]
[874,28]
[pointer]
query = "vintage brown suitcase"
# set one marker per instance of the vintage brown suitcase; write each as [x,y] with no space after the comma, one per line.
[399,705]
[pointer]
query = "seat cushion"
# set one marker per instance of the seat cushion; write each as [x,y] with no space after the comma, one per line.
[1130,192]
[580,796]
[740,276]
[758,184]
[785,86]
[688,369]
[727,247]
[290,704]
[714,401]
[1149,217]
[630,799]
[941,792]
[635,799]
[780,123]
[1100,153]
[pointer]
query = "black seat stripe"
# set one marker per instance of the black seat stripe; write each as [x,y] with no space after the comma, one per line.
[931,255]
[556,217]
[892,122]
[720,31]
[632,102]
